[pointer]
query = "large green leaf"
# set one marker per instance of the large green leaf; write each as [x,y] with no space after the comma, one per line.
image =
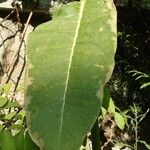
[71,58]
[29,144]
[7,141]
[19,140]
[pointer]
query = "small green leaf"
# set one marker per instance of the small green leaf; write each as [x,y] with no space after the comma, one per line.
[21,115]
[29,144]
[119,34]
[7,88]
[120,121]
[2,116]
[10,105]
[16,127]
[111,108]
[3,101]
[7,141]
[125,116]
[19,140]
[104,111]
[21,87]
[10,116]
[1,127]
[145,85]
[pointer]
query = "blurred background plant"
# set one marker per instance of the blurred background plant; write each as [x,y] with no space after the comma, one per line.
[13,131]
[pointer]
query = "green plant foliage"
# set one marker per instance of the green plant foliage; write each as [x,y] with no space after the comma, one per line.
[3,101]
[10,116]
[5,88]
[145,85]
[146,145]
[119,119]
[10,104]
[7,141]
[111,108]
[21,141]
[145,4]
[104,111]
[140,75]
[71,58]
[135,119]
[29,144]
[1,127]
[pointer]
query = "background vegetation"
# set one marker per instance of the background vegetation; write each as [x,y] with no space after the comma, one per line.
[124,121]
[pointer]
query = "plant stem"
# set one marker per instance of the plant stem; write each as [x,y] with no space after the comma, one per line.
[136,128]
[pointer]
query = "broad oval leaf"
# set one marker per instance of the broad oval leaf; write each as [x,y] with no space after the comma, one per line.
[71,58]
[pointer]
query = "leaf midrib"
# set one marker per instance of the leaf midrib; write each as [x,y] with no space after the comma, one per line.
[82,5]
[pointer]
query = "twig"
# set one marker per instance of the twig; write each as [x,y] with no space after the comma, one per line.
[7,16]
[1,55]
[15,57]
[18,16]
[20,75]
